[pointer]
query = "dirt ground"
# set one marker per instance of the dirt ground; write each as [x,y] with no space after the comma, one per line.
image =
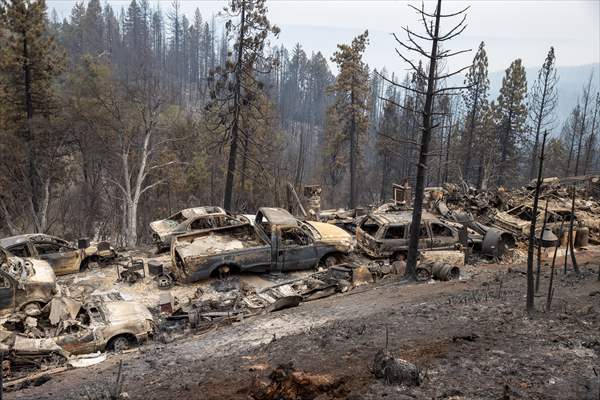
[471,338]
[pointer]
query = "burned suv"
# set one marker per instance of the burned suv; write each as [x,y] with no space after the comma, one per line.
[384,235]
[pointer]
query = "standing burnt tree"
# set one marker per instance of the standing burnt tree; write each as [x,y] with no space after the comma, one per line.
[236,88]
[435,79]
[543,102]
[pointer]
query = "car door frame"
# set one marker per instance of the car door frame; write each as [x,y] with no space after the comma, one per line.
[54,259]
[295,257]
[9,294]
[424,244]
[452,240]
[89,346]
[393,245]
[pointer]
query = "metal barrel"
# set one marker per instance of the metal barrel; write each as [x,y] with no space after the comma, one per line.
[582,236]
[445,272]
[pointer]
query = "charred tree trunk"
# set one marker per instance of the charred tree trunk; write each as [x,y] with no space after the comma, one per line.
[530,247]
[538,127]
[550,285]
[539,250]
[592,139]
[413,246]
[447,157]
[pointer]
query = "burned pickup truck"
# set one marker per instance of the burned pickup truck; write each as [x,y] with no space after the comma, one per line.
[276,242]
[189,220]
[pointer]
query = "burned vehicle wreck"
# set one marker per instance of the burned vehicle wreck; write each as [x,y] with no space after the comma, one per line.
[386,235]
[188,220]
[25,284]
[69,328]
[101,325]
[276,242]
[63,257]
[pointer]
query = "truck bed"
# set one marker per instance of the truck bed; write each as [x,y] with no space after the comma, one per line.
[218,241]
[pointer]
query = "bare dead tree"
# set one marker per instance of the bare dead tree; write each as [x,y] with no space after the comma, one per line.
[571,233]
[531,245]
[583,127]
[539,249]
[550,285]
[415,43]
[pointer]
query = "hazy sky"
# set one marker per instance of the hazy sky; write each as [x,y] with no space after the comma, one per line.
[511,28]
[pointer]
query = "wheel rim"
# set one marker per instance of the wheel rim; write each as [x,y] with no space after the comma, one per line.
[120,344]
[164,282]
[423,275]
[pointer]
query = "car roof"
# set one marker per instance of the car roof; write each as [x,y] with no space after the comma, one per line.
[205,210]
[401,217]
[13,240]
[278,216]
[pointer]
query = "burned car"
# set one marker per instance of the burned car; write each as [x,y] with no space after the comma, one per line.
[383,235]
[63,257]
[276,242]
[100,325]
[95,326]
[188,220]
[25,284]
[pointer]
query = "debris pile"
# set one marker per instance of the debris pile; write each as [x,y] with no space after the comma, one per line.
[394,370]
[288,384]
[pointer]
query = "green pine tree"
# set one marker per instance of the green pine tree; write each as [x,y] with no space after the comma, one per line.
[513,113]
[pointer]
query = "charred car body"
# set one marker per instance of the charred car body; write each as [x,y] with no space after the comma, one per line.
[25,284]
[95,326]
[188,220]
[276,241]
[386,235]
[101,325]
[63,257]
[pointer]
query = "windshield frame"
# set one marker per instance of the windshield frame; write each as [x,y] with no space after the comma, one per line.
[314,232]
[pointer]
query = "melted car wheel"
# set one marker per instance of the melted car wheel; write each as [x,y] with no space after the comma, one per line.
[119,344]
[423,274]
[164,281]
